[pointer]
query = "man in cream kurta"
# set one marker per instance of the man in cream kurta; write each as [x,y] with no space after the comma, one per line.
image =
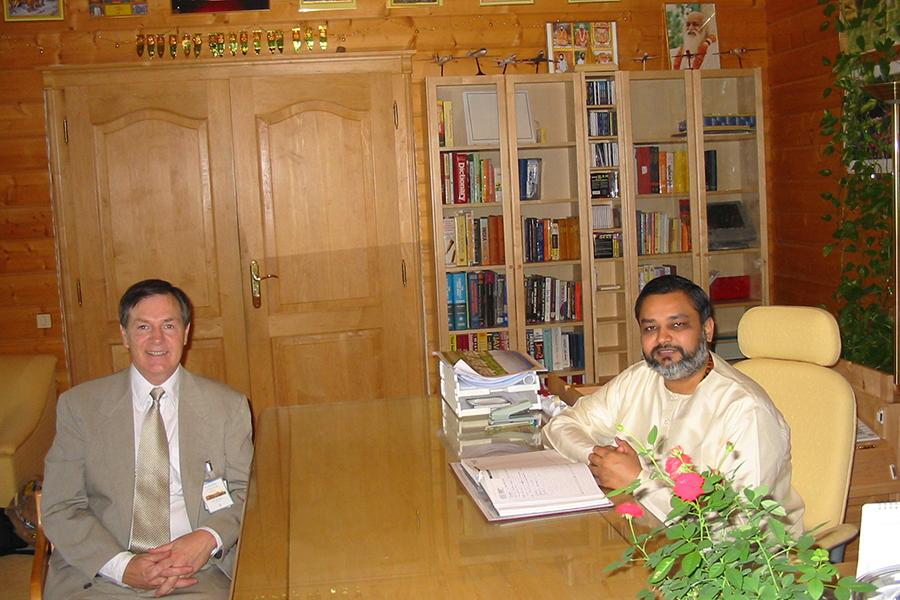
[694,398]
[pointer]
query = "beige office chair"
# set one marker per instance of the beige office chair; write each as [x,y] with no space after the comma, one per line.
[789,350]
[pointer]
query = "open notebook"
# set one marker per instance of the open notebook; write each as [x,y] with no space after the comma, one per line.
[879,533]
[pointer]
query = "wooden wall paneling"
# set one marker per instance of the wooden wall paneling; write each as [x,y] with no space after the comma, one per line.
[797,77]
[455,27]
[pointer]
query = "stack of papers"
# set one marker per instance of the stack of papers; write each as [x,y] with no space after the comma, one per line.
[529,484]
[491,368]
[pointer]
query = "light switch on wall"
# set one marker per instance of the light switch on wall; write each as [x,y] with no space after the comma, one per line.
[44,321]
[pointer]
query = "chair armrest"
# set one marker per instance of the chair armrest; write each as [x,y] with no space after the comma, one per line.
[835,539]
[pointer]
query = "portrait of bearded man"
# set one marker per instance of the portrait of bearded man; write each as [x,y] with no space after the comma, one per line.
[693,42]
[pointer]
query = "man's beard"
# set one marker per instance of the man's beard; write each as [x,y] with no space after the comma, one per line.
[687,366]
[692,41]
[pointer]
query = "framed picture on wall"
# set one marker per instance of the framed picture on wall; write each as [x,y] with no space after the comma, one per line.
[405,3]
[691,36]
[207,6]
[33,10]
[501,2]
[581,44]
[311,5]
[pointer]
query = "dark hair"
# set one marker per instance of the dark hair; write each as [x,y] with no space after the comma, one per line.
[675,283]
[153,287]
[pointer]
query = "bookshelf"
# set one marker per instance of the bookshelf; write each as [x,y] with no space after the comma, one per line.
[531,130]
[698,197]
[644,167]
[611,232]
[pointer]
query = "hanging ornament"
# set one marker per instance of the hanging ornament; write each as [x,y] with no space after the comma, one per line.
[160,45]
[186,44]
[139,44]
[213,47]
[323,37]
[220,44]
[279,41]
[233,43]
[173,45]
[257,41]
[151,45]
[296,39]
[198,44]
[309,38]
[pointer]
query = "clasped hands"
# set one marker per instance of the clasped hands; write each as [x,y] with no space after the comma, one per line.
[614,466]
[170,566]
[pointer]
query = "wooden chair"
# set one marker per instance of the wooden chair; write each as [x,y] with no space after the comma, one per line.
[41,562]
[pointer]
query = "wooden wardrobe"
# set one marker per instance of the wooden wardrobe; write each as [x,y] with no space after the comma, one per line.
[278,194]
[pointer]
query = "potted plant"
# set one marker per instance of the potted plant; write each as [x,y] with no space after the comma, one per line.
[863,202]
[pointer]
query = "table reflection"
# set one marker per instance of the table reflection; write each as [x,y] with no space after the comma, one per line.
[357,500]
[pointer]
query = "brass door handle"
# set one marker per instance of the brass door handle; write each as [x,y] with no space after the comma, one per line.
[255,280]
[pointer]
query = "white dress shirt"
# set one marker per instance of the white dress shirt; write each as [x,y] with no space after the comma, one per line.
[727,406]
[179,524]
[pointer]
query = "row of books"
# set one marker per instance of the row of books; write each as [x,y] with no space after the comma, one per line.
[660,233]
[445,123]
[482,340]
[647,273]
[605,216]
[602,122]
[551,239]
[473,241]
[601,91]
[604,154]
[548,299]
[605,185]
[662,171]
[476,300]
[608,244]
[556,349]
[469,178]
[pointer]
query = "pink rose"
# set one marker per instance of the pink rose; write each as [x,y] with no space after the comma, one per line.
[679,462]
[629,510]
[688,486]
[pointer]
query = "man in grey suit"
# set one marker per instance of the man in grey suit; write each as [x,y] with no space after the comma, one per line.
[95,504]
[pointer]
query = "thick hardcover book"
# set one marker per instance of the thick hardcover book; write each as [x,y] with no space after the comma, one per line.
[654,169]
[711,170]
[461,180]
[642,158]
[460,301]
[529,484]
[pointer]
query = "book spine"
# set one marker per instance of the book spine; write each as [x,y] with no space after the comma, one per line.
[642,158]
[460,182]
[449,241]
[448,122]
[442,140]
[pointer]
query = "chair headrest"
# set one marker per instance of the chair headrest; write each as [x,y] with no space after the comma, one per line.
[802,333]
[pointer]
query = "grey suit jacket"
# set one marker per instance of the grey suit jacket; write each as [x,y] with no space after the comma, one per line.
[88,491]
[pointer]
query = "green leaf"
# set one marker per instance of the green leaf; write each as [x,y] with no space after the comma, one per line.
[651,437]
[734,577]
[662,569]
[690,562]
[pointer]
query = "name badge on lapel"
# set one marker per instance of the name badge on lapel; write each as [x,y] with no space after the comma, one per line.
[215,491]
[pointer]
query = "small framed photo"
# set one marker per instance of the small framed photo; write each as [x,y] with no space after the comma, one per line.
[405,3]
[311,5]
[588,1]
[581,45]
[32,10]
[502,2]
[691,36]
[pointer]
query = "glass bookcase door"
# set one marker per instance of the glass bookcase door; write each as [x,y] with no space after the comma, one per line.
[605,187]
[467,117]
[732,197]
[662,173]
[549,207]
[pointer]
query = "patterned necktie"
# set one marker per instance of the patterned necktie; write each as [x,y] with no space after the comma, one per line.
[150,521]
